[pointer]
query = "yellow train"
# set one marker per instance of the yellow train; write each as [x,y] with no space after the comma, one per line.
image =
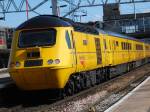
[55,53]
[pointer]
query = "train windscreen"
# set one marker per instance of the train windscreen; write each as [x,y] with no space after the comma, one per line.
[36,38]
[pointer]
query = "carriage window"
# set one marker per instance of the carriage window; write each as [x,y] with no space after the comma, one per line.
[123,46]
[68,40]
[117,44]
[139,47]
[131,46]
[85,42]
[105,46]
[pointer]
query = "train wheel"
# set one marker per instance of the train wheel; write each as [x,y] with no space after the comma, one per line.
[63,93]
[82,83]
[78,87]
[107,74]
[98,77]
[70,89]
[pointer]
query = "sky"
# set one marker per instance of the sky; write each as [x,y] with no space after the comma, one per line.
[93,13]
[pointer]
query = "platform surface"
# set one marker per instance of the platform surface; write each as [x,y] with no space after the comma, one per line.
[137,100]
[4,75]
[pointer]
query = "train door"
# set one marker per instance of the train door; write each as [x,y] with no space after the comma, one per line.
[110,52]
[106,50]
[98,51]
[128,48]
[114,52]
[74,54]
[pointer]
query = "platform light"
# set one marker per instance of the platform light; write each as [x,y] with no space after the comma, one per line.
[57,61]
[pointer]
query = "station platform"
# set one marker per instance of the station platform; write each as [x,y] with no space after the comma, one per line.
[138,100]
[4,75]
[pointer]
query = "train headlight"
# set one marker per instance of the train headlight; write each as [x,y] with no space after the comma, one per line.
[18,64]
[57,61]
[49,61]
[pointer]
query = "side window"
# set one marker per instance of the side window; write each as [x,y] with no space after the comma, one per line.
[85,42]
[122,45]
[105,46]
[117,44]
[68,40]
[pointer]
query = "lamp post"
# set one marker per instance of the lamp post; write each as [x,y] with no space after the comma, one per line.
[58,9]
[54,7]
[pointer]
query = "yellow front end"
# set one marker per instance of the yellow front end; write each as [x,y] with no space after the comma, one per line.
[42,67]
[41,78]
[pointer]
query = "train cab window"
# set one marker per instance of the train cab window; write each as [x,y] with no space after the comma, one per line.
[68,40]
[33,38]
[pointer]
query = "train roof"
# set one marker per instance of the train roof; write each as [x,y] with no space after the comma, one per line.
[43,21]
[118,35]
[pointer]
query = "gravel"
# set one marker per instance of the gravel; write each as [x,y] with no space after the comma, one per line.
[102,106]
[113,98]
[78,104]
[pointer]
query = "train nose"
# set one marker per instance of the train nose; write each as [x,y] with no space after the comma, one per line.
[36,78]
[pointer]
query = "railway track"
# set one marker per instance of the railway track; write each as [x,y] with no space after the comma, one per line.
[12,99]
[98,93]
[114,96]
